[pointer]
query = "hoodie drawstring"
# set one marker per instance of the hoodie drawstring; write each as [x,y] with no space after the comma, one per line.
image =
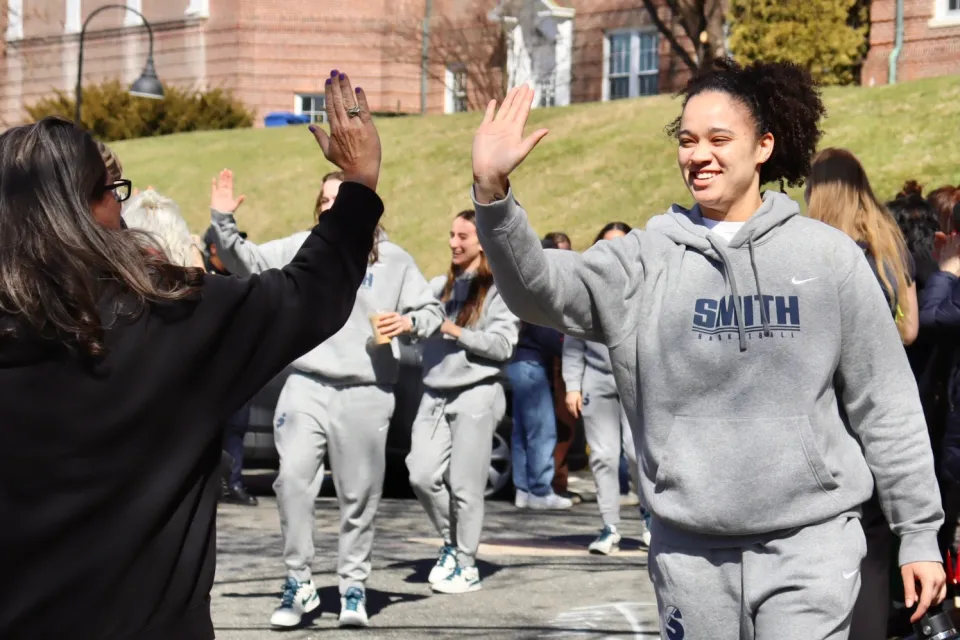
[737,300]
[764,317]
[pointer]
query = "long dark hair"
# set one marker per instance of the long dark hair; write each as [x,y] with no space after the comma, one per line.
[479,287]
[612,226]
[56,261]
[341,176]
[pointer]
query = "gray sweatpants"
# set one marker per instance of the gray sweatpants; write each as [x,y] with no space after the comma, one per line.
[607,431]
[351,423]
[449,461]
[799,586]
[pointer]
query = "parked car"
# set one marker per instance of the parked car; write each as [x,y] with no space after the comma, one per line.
[259,450]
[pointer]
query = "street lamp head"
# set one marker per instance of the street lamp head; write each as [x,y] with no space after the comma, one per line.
[147,85]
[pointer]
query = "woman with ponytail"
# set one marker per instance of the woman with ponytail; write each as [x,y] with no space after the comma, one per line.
[463,402]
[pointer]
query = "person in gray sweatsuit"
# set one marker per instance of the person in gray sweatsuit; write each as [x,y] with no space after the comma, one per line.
[338,400]
[759,366]
[463,402]
[592,393]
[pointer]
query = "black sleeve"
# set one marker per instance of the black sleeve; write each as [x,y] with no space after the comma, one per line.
[247,330]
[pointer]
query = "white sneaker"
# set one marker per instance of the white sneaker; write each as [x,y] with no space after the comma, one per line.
[549,502]
[629,499]
[607,542]
[446,564]
[522,501]
[298,598]
[353,608]
[462,580]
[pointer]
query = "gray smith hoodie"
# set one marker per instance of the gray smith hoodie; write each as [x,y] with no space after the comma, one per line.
[764,379]
[580,354]
[481,352]
[393,283]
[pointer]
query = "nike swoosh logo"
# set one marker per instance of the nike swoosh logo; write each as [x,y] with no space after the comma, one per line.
[849,574]
[795,281]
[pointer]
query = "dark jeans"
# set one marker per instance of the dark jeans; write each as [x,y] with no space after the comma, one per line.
[233,443]
[534,427]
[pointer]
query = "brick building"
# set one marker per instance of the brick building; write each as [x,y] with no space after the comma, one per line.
[276,54]
[931,40]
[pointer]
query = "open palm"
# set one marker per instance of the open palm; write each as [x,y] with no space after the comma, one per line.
[221,193]
[499,146]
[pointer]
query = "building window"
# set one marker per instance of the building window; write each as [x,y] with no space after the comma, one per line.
[312,105]
[14,19]
[198,9]
[72,22]
[130,18]
[947,10]
[633,67]
[456,90]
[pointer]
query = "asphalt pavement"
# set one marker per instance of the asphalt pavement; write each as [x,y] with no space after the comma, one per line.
[538,579]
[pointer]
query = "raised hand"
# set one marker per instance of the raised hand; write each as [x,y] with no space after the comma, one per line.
[353,143]
[221,193]
[499,146]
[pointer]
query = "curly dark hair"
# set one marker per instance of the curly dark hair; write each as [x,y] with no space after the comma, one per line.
[783,100]
[919,222]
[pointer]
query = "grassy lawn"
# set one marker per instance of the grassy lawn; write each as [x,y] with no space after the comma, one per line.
[601,162]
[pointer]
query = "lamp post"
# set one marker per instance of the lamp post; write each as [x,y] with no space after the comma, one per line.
[146,86]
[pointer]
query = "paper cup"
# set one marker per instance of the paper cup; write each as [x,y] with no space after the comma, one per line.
[378,338]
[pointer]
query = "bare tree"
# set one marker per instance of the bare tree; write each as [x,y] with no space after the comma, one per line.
[471,45]
[701,21]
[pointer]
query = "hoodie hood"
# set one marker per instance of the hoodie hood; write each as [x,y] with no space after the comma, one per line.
[686,228]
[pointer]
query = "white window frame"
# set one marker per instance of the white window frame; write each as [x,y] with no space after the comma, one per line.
[634,73]
[315,115]
[450,93]
[14,20]
[72,20]
[198,9]
[131,19]
[943,15]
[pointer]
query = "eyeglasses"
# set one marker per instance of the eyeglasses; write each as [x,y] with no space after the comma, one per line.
[120,189]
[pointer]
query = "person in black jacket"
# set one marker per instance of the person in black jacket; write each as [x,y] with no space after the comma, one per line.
[117,372]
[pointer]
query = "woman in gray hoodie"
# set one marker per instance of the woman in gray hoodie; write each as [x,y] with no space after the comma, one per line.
[756,359]
[338,401]
[463,402]
[592,393]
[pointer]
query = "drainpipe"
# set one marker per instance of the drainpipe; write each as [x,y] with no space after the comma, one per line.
[425,57]
[897,45]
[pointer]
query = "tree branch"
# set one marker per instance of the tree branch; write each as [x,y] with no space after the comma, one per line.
[669,35]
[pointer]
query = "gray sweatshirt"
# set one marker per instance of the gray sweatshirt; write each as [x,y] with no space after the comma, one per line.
[577,356]
[481,352]
[752,422]
[393,283]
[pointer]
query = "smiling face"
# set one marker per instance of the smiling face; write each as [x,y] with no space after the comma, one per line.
[465,248]
[719,154]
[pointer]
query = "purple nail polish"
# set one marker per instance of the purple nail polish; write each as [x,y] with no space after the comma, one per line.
[328,81]
[312,128]
[357,89]
[333,74]
[341,76]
